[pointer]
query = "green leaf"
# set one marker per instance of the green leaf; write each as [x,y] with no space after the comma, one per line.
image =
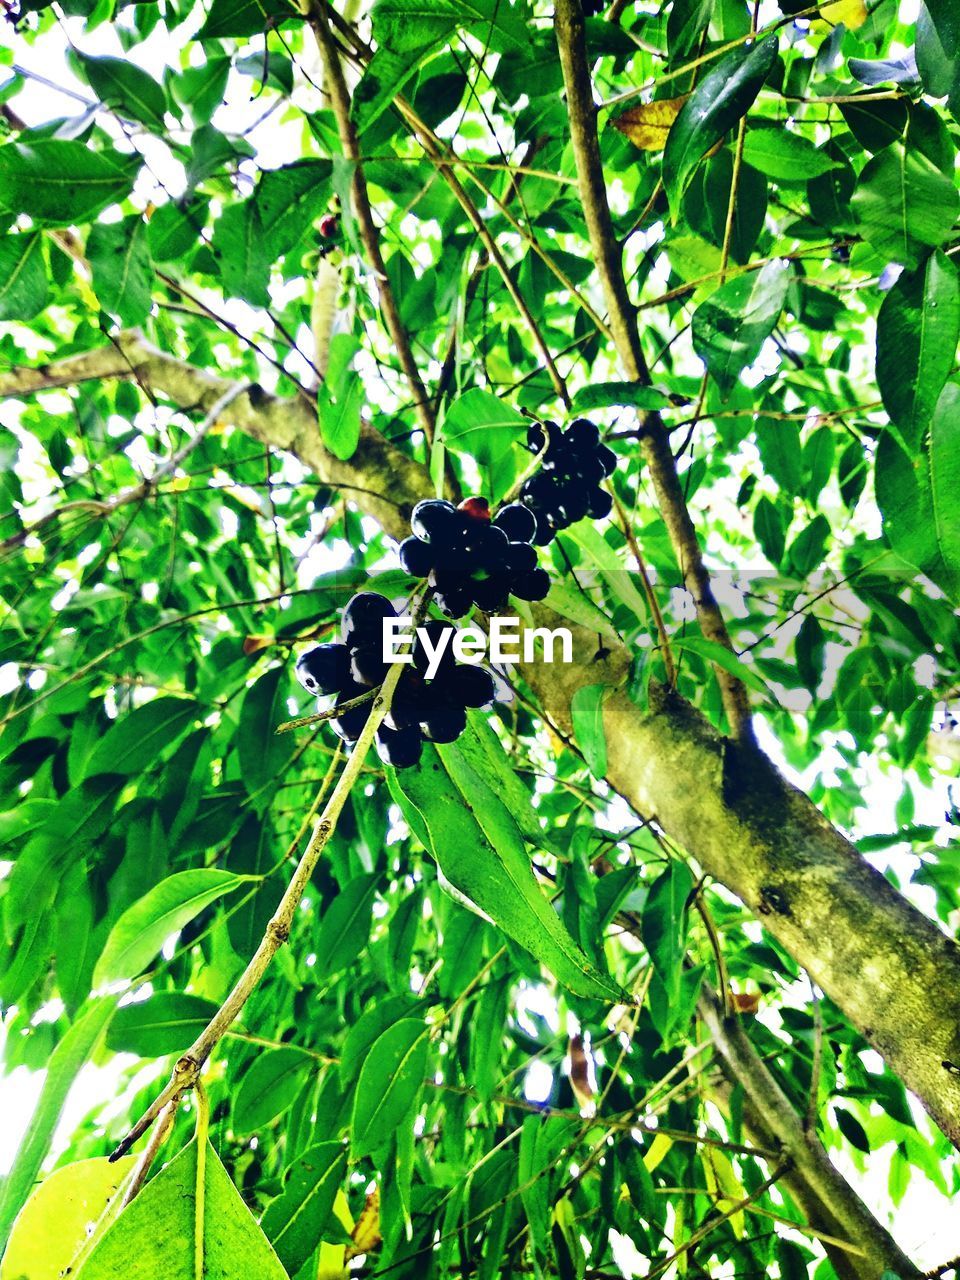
[576,605]
[58,183]
[601,395]
[601,556]
[188,1223]
[586,711]
[389,1085]
[805,553]
[244,17]
[917,496]
[167,1022]
[295,1222]
[904,205]
[288,201]
[386,74]
[918,328]
[724,95]
[345,926]
[481,854]
[72,1197]
[174,228]
[270,1086]
[720,656]
[369,1027]
[946,19]
[731,326]
[143,928]
[663,924]
[70,1055]
[340,419]
[23,276]
[136,740]
[264,753]
[127,88]
[483,425]
[240,245]
[786,156]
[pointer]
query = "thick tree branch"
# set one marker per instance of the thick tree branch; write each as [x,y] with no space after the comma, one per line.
[890,969]
[655,442]
[887,966]
[340,101]
[826,1198]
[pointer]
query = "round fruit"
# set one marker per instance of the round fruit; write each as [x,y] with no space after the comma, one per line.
[533,585]
[416,557]
[475,508]
[399,747]
[607,459]
[521,556]
[491,593]
[445,726]
[350,725]
[600,505]
[475,686]
[453,601]
[433,516]
[516,521]
[582,436]
[367,666]
[324,669]
[363,618]
[329,225]
[538,433]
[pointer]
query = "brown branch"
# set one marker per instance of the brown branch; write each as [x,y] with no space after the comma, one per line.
[828,1201]
[655,442]
[186,1071]
[340,101]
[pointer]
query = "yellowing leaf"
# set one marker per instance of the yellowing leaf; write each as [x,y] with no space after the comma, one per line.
[723,1184]
[647,126]
[366,1234]
[73,1198]
[658,1150]
[852,13]
[331,1258]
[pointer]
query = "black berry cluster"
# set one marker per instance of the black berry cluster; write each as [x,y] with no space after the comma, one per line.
[432,709]
[566,487]
[470,558]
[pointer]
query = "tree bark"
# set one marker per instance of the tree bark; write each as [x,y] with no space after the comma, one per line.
[891,970]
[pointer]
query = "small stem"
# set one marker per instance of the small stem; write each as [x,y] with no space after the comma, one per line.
[187,1069]
[648,590]
[332,713]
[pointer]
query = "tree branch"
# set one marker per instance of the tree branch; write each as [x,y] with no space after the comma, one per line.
[655,442]
[828,1201]
[340,101]
[891,970]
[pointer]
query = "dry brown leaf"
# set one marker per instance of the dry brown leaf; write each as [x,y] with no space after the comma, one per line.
[647,126]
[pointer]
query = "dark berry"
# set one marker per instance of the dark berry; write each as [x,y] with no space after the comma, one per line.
[474,686]
[573,505]
[607,459]
[539,433]
[363,618]
[416,557]
[533,585]
[475,508]
[516,522]
[491,593]
[350,725]
[329,225]
[367,666]
[445,726]
[521,556]
[433,516]
[453,601]
[600,504]
[582,436]
[324,669]
[491,549]
[400,747]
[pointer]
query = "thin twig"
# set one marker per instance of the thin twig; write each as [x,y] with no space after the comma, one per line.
[187,1069]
